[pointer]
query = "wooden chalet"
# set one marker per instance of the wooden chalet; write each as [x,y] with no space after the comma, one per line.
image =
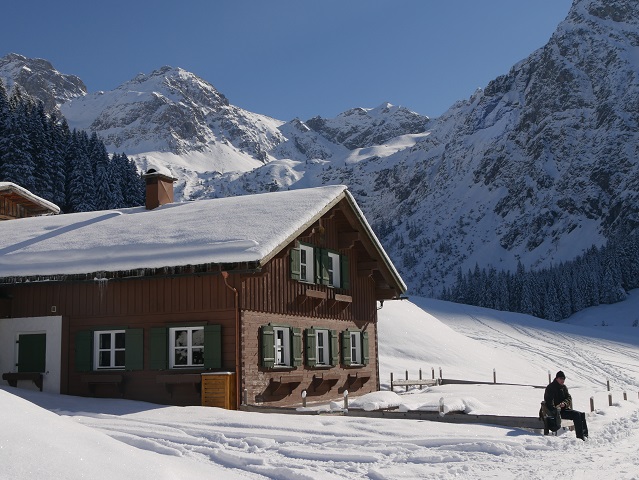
[250,299]
[18,202]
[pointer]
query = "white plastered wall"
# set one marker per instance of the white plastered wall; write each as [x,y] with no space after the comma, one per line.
[10,328]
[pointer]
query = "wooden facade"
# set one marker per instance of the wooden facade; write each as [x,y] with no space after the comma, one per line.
[239,302]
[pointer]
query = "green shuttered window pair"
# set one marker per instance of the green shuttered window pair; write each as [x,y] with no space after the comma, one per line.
[321,347]
[320,266]
[281,346]
[159,347]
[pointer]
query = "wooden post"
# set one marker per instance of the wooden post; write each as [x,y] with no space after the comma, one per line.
[420,377]
[391,381]
[625,396]
[494,376]
[441,406]
[549,379]
[407,379]
[608,384]
[304,398]
[346,400]
[440,373]
[592,404]
[432,370]
[610,399]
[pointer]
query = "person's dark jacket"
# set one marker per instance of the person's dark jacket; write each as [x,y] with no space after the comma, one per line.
[556,394]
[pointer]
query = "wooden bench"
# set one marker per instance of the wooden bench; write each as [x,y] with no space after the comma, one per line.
[419,382]
[180,379]
[285,382]
[104,379]
[13,377]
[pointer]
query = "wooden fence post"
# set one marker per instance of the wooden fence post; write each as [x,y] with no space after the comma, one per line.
[440,373]
[625,396]
[494,376]
[592,404]
[610,399]
[549,379]
[391,381]
[608,384]
[407,379]
[432,370]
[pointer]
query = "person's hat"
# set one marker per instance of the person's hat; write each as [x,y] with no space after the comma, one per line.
[560,374]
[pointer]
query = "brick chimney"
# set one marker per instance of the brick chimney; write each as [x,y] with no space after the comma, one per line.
[159,188]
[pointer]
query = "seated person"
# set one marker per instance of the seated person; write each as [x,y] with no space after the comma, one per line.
[557,397]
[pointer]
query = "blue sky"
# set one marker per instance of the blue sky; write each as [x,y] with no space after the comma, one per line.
[290,58]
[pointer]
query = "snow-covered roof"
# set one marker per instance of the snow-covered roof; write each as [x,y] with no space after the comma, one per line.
[250,228]
[31,201]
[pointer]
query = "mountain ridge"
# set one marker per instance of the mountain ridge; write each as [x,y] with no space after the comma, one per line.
[536,167]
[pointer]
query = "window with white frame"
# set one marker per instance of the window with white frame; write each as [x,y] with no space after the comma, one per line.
[333,270]
[282,339]
[109,349]
[307,267]
[186,347]
[356,348]
[322,347]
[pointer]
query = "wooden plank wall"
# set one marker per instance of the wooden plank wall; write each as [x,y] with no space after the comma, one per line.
[132,303]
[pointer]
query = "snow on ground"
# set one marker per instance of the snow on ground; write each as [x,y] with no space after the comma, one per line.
[56,436]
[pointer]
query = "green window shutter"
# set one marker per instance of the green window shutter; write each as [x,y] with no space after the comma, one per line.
[159,348]
[346,348]
[311,347]
[334,348]
[296,264]
[344,272]
[322,266]
[268,346]
[212,346]
[296,346]
[134,349]
[365,355]
[83,351]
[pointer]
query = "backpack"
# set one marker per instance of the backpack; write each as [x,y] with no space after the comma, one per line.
[551,418]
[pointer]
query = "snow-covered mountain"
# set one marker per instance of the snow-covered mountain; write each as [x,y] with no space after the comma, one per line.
[39,79]
[536,167]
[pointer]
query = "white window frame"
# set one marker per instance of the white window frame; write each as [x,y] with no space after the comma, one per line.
[356,348]
[307,263]
[189,347]
[282,346]
[323,350]
[112,350]
[334,274]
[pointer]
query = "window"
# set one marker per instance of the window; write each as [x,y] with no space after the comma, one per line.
[186,347]
[118,348]
[322,350]
[321,347]
[307,267]
[282,346]
[195,346]
[109,349]
[333,270]
[355,347]
[321,266]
